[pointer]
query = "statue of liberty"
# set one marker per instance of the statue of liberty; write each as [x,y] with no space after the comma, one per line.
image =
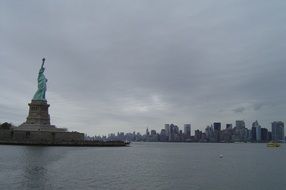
[42,84]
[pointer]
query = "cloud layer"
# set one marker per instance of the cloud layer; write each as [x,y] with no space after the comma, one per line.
[125,65]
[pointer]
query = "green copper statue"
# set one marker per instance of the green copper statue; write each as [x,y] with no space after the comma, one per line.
[42,84]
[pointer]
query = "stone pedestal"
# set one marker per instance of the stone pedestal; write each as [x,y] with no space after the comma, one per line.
[38,129]
[39,113]
[39,118]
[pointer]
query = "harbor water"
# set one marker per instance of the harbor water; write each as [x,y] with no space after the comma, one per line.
[196,166]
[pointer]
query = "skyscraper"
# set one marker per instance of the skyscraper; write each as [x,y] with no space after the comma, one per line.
[264,134]
[147,132]
[187,130]
[172,132]
[167,129]
[278,131]
[240,133]
[253,134]
[217,131]
[217,126]
[257,131]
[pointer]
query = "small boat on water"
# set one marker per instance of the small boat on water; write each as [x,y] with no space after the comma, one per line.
[273,144]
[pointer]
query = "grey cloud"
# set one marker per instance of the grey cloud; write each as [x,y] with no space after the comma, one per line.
[239,110]
[124,65]
[258,106]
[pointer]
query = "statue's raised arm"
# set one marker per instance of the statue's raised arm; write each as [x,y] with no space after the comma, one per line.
[42,84]
[43,62]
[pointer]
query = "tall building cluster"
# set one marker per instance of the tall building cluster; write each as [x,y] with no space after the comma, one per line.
[212,133]
[170,133]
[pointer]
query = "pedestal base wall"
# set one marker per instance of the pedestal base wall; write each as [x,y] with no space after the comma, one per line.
[40,136]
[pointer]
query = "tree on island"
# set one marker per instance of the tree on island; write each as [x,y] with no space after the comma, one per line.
[5,125]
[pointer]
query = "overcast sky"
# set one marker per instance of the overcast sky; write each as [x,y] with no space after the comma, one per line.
[125,65]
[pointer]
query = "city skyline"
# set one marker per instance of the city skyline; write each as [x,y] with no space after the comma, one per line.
[214,133]
[127,65]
